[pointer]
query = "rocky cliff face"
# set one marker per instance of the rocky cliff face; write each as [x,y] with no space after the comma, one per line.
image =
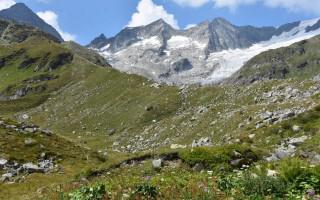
[20,13]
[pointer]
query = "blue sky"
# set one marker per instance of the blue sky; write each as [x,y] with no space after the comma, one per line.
[83,20]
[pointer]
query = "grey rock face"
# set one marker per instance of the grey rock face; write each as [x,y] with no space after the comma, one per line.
[287,148]
[182,65]
[20,13]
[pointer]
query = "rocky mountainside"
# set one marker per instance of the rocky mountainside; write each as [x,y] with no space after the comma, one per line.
[20,13]
[11,32]
[207,53]
[300,60]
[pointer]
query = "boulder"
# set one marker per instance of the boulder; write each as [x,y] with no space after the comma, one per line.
[178,146]
[272,173]
[46,132]
[157,163]
[30,130]
[32,168]
[316,159]
[111,131]
[297,141]
[3,162]
[30,142]
[198,167]
[296,128]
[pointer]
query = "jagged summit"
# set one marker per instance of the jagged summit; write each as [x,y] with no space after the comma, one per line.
[99,41]
[22,14]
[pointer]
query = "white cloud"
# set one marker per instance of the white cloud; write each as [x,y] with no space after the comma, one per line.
[192,3]
[148,12]
[311,6]
[190,26]
[52,18]
[4,4]
[308,6]
[232,4]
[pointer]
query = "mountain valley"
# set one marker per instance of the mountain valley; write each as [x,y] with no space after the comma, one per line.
[216,111]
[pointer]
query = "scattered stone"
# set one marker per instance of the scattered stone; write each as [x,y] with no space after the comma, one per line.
[252,136]
[237,162]
[46,132]
[3,162]
[272,173]
[178,146]
[148,108]
[25,116]
[32,168]
[30,142]
[296,128]
[111,131]
[30,130]
[202,142]
[198,167]
[155,85]
[157,163]
[315,159]
[287,148]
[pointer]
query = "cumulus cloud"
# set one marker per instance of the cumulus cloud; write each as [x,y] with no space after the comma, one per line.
[4,4]
[148,12]
[52,18]
[312,6]
[190,26]
[309,6]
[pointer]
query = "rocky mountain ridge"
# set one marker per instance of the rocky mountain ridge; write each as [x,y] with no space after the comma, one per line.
[207,53]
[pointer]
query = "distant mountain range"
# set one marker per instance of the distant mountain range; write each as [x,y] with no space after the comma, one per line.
[206,53]
[20,13]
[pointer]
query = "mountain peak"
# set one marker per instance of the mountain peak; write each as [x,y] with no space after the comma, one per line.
[20,13]
[99,41]
[20,5]
[102,36]
[159,23]
[220,20]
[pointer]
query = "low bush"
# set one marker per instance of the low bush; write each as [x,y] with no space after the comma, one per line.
[219,158]
[96,192]
[146,191]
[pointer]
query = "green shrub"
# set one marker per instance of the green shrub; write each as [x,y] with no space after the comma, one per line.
[299,176]
[228,182]
[219,158]
[262,186]
[89,193]
[253,187]
[146,190]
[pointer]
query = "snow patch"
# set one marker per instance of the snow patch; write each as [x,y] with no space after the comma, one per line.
[153,42]
[180,42]
[105,48]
